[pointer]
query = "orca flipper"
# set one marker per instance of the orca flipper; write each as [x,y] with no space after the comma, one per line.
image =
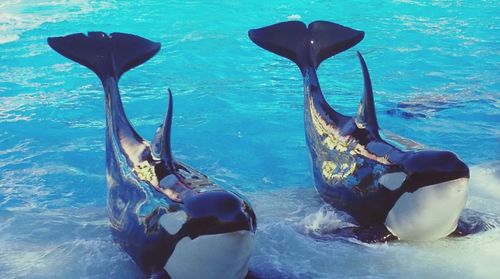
[472,222]
[374,234]
[306,46]
[106,55]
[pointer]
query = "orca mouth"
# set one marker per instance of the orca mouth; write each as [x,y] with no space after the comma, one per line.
[428,213]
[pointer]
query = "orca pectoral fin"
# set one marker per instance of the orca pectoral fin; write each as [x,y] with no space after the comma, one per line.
[472,222]
[373,234]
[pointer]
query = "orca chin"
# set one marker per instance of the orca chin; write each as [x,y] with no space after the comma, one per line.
[429,213]
[214,256]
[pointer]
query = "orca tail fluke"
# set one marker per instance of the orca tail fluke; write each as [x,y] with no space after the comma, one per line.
[307,46]
[286,39]
[366,112]
[107,55]
[329,39]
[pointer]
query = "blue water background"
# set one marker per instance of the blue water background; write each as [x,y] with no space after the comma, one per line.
[238,117]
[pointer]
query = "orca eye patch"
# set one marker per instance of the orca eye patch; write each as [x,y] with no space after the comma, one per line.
[393,180]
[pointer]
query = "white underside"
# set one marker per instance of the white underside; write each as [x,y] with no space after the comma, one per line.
[430,213]
[212,256]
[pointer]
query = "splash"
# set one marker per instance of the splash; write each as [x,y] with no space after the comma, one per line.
[326,220]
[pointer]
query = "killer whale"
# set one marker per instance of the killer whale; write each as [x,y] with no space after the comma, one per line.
[170,218]
[392,194]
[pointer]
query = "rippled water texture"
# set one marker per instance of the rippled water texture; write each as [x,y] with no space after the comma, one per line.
[239,119]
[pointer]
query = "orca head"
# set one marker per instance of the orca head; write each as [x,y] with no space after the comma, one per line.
[217,211]
[215,235]
[431,194]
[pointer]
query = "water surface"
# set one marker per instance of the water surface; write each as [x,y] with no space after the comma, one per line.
[238,118]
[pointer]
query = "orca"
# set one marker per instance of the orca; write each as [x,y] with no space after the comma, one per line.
[170,218]
[391,193]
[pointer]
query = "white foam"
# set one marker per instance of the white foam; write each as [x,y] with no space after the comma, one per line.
[280,246]
[294,17]
[76,243]
[485,180]
[325,220]
[16,16]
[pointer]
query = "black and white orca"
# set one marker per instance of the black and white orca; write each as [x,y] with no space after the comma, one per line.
[171,219]
[393,194]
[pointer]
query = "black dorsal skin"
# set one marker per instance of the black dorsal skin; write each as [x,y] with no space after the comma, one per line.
[348,154]
[145,182]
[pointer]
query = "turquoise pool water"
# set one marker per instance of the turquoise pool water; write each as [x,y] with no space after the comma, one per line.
[238,114]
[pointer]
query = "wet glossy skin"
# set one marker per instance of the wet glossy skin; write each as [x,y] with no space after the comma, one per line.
[145,182]
[349,157]
[345,169]
[350,160]
[142,188]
